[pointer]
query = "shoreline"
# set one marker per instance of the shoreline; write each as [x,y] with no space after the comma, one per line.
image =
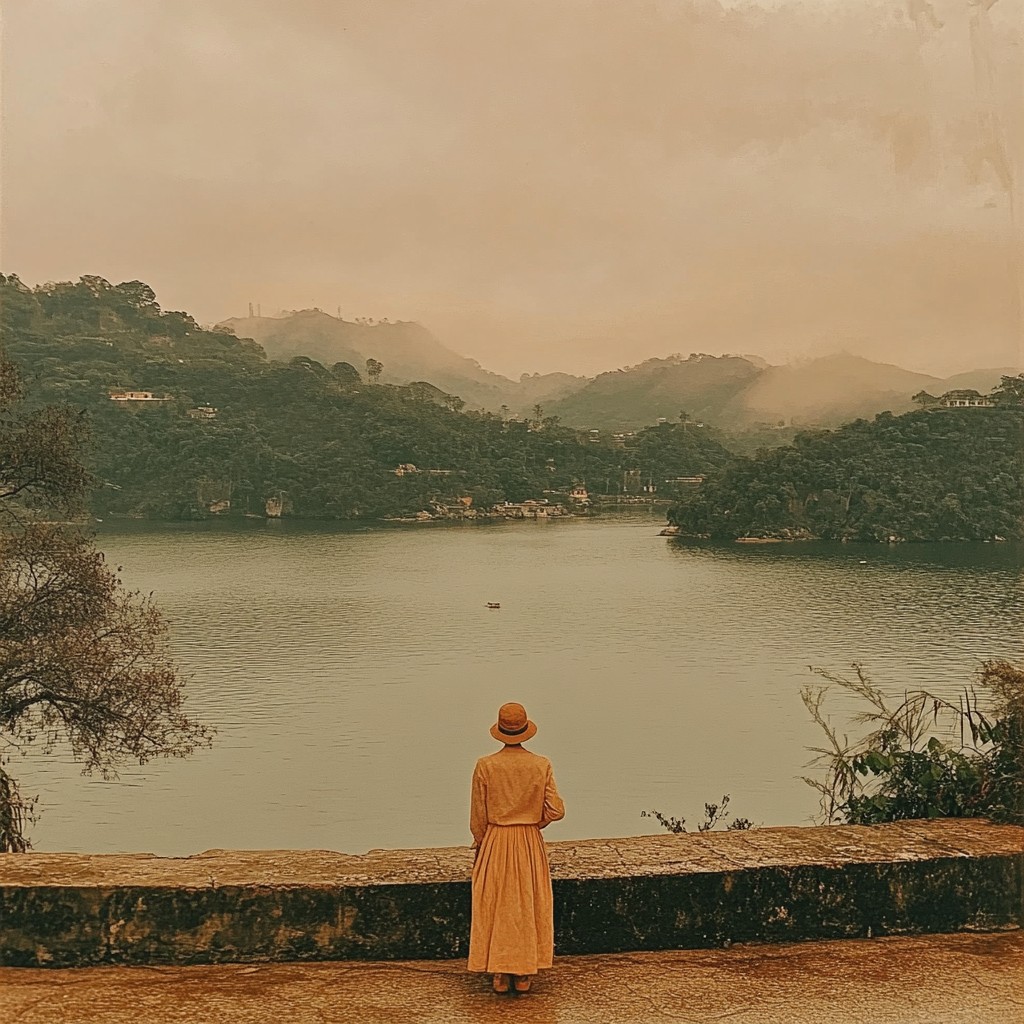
[632,514]
[842,542]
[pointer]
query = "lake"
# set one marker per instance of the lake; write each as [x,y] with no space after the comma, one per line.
[353,674]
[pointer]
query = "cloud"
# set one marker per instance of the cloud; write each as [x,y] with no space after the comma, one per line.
[559,184]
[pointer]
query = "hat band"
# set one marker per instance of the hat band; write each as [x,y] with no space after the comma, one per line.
[513,732]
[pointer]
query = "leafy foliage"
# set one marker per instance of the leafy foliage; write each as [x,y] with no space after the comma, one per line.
[949,474]
[1010,391]
[925,756]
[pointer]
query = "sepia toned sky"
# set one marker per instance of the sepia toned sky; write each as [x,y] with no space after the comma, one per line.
[546,184]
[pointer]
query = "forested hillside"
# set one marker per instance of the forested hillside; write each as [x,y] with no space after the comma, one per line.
[239,428]
[406,352]
[945,474]
[703,385]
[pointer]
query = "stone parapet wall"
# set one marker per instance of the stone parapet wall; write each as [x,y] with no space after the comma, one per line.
[614,895]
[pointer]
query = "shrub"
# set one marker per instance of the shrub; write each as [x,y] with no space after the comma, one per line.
[925,757]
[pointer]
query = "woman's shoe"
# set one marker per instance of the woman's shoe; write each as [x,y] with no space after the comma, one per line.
[522,983]
[501,983]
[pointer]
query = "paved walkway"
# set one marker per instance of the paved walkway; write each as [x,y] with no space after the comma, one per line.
[946,979]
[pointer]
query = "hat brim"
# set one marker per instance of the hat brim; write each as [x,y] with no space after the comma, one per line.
[503,737]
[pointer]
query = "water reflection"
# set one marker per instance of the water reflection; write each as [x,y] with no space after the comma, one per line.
[352,673]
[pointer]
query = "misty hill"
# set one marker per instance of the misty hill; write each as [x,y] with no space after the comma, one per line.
[735,392]
[408,352]
[702,385]
[738,392]
[534,388]
[979,380]
[834,389]
[828,390]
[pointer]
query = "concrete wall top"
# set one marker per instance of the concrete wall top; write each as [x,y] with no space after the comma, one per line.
[640,856]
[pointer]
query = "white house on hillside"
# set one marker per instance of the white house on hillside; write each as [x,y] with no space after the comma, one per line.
[138,396]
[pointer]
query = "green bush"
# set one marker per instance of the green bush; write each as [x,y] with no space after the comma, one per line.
[925,756]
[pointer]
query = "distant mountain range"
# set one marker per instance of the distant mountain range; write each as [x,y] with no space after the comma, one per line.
[408,352]
[737,392]
[730,391]
[838,388]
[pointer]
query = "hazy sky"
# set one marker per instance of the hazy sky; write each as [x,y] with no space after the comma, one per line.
[547,184]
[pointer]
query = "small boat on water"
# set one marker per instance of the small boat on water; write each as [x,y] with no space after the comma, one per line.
[493,604]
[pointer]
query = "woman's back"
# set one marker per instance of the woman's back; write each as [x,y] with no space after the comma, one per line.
[515,782]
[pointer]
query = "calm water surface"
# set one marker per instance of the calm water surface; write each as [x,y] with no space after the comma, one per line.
[352,674]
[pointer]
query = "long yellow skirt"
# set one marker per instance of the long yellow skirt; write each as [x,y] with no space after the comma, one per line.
[513,919]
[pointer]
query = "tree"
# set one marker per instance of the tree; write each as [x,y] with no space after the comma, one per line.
[1010,390]
[136,300]
[175,323]
[81,659]
[374,368]
[346,374]
[310,366]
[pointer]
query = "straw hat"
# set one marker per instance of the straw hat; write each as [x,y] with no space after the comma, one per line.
[513,726]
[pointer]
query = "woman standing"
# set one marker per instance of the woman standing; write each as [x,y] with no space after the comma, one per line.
[514,797]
